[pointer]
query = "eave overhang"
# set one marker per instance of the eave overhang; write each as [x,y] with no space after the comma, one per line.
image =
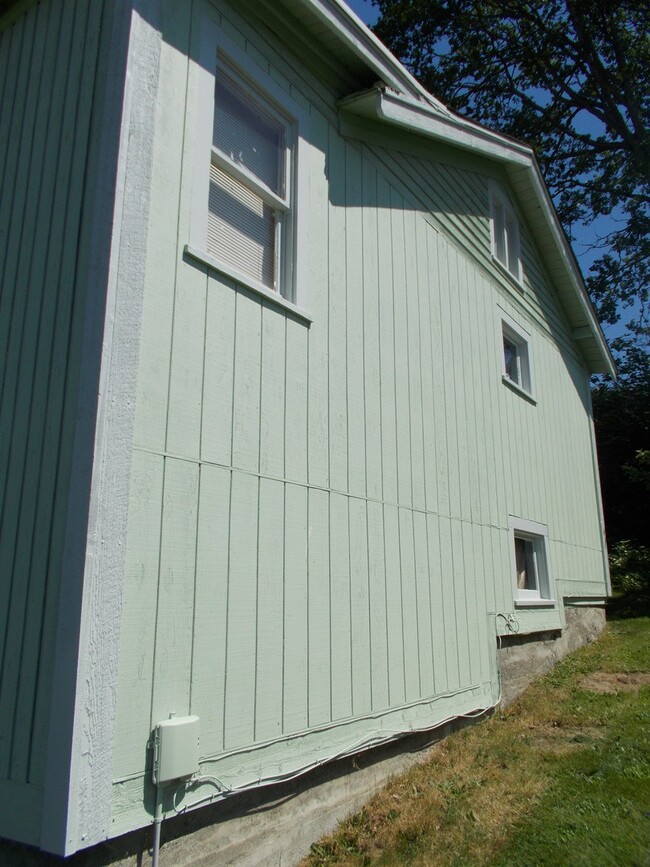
[336,26]
[414,117]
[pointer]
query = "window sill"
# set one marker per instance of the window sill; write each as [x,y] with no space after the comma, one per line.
[518,389]
[517,282]
[274,297]
[534,603]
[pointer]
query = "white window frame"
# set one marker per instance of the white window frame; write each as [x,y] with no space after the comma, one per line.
[510,231]
[521,340]
[536,535]
[214,48]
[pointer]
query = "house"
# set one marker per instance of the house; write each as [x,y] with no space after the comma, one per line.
[295,420]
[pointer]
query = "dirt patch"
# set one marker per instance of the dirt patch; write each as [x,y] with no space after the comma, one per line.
[613,682]
[564,739]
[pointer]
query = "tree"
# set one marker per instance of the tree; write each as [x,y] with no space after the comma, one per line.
[622,418]
[572,78]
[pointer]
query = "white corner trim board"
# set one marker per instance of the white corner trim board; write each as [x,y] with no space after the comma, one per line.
[90,754]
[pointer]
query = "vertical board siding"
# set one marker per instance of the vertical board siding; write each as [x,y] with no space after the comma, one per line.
[270,612]
[336,313]
[241,606]
[210,609]
[344,486]
[360,608]
[295,668]
[319,652]
[48,58]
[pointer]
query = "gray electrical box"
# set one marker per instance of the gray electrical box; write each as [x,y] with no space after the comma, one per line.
[175,749]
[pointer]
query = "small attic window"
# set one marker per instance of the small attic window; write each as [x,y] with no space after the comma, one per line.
[505,232]
[517,369]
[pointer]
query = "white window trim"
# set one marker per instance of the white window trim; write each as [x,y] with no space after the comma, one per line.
[538,533]
[498,195]
[507,327]
[213,43]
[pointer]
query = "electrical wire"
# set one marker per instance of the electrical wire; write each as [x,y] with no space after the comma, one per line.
[383,736]
[377,738]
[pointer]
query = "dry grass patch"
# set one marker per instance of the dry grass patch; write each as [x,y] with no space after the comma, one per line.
[462,802]
[561,772]
[613,682]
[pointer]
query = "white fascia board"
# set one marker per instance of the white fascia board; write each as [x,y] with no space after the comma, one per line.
[340,19]
[572,269]
[414,117]
[402,111]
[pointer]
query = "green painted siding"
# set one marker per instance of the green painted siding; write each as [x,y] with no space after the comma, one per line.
[318,525]
[47,60]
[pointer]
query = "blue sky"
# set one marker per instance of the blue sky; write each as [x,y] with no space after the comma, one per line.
[365,10]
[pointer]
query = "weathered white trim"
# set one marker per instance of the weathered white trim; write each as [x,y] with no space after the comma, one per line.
[527,526]
[599,496]
[572,269]
[498,196]
[88,802]
[585,601]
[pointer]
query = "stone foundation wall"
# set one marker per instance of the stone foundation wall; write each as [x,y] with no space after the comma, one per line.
[523,658]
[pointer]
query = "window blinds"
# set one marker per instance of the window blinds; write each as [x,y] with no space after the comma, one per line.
[241,228]
[248,136]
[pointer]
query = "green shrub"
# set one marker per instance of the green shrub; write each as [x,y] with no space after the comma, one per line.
[629,566]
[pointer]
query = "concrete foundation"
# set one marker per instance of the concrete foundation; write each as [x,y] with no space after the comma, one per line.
[526,657]
[276,825]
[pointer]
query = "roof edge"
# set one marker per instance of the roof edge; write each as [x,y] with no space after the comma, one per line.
[381,103]
[341,20]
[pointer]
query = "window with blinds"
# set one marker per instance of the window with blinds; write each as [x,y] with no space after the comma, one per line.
[249,205]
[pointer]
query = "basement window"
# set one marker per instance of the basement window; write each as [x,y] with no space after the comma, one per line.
[532,578]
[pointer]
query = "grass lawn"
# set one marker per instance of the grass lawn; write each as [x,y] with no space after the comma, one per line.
[561,777]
